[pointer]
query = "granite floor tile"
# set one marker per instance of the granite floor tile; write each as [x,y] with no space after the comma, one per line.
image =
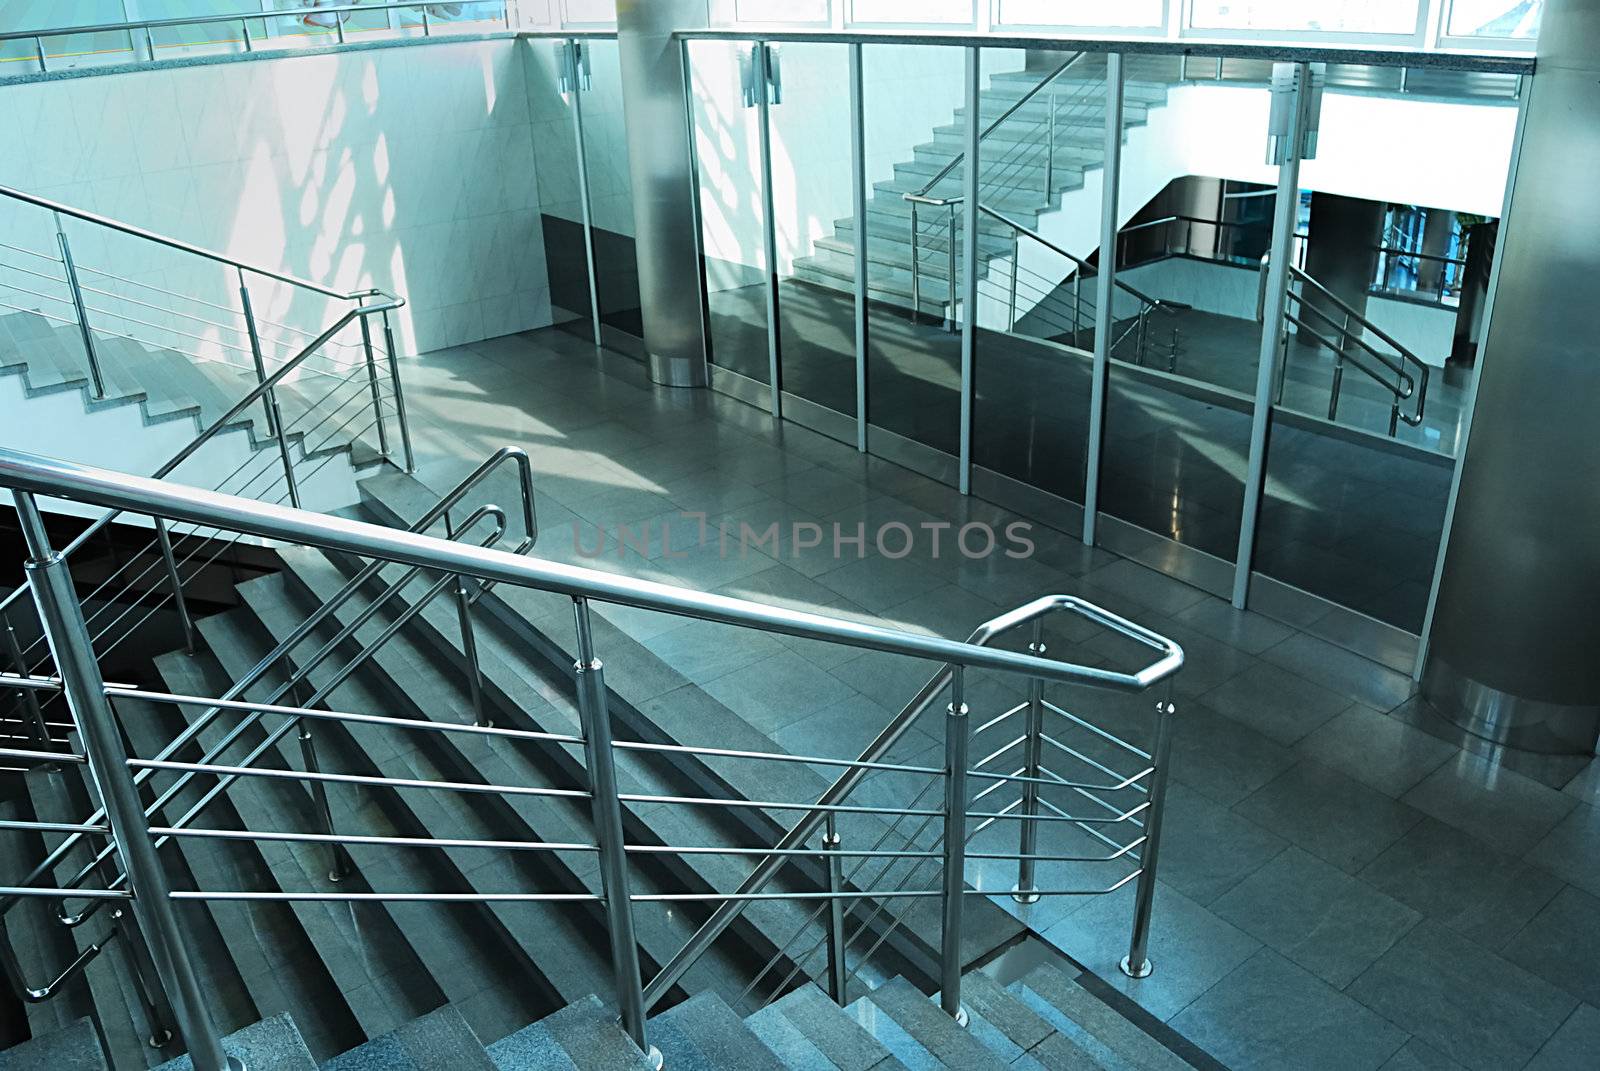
[1562,945]
[1572,849]
[1192,948]
[1206,849]
[1156,590]
[1376,749]
[705,650]
[1222,758]
[1492,803]
[878,583]
[1269,1014]
[1342,671]
[1339,820]
[1553,771]
[1415,1056]
[777,691]
[1276,703]
[1586,785]
[1574,1046]
[1458,880]
[1331,924]
[1467,1003]
[1250,633]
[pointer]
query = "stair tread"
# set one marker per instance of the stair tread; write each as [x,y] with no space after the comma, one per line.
[272,1043]
[929,1026]
[831,1029]
[1093,1025]
[703,1034]
[74,1047]
[787,1043]
[533,1048]
[441,1039]
[588,1033]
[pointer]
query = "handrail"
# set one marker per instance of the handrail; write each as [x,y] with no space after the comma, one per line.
[990,129]
[1366,324]
[728,911]
[217,426]
[1083,265]
[22,471]
[203,20]
[182,246]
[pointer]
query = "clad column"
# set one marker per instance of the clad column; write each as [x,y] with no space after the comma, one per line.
[1342,251]
[1515,631]
[655,115]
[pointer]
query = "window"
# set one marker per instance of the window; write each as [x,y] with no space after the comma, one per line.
[912,11]
[588,12]
[1328,16]
[1516,19]
[1086,13]
[808,11]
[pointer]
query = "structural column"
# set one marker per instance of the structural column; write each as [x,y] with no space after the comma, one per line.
[655,117]
[1512,652]
[1342,252]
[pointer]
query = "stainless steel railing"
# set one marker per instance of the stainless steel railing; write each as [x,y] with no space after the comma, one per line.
[134,836]
[141,33]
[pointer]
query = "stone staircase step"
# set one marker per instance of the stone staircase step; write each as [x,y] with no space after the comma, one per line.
[39,948]
[272,1043]
[588,1033]
[831,1029]
[74,1047]
[703,1034]
[1010,1027]
[1093,1025]
[344,961]
[439,1040]
[926,1024]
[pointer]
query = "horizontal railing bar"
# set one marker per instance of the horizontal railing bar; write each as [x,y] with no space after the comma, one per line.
[992,722]
[356,838]
[103,487]
[1109,737]
[387,897]
[868,894]
[32,253]
[1126,781]
[1001,751]
[31,682]
[245,706]
[1283,52]
[856,853]
[729,753]
[42,756]
[221,770]
[1344,306]
[25,826]
[772,805]
[1093,832]
[206,20]
[16,891]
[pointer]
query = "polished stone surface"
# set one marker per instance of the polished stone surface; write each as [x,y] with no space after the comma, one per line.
[1332,785]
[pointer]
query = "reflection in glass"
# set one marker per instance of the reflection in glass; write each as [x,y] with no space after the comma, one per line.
[911,11]
[727,148]
[1140,13]
[1518,19]
[551,98]
[605,143]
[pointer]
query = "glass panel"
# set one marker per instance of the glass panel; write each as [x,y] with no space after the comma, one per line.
[1343,16]
[1036,290]
[782,11]
[1140,13]
[911,11]
[550,101]
[588,12]
[1355,491]
[732,215]
[605,143]
[70,50]
[1185,338]
[914,131]
[1495,18]
[812,193]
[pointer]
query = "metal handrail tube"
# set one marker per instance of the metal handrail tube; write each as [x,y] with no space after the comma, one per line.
[1343,306]
[1403,389]
[1008,113]
[40,994]
[724,916]
[84,483]
[305,629]
[204,20]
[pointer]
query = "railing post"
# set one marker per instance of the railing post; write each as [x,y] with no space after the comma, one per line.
[73,650]
[1027,888]
[1016,258]
[38,51]
[164,540]
[916,267]
[958,731]
[150,44]
[146,981]
[950,244]
[469,639]
[1137,964]
[270,399]
[78,306]
[838,977]
[244,27]
[399,394]
[372,383]
[427,31]
[337,871]
[29,700]
[595,715]
[1077,303]
[1050,154]
[1338,369]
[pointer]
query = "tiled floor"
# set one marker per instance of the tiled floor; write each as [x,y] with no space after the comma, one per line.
[1347,883]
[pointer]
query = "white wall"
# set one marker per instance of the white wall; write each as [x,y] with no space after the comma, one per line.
[410,169]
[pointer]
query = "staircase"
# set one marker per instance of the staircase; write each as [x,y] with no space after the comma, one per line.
[1032,159]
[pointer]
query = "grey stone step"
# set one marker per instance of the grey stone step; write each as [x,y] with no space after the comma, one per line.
[38,948]
[703,1034]
[348,962]
[832,1030]
[926,1024]
[272,1043]
[278,961]
[1093,1025]
[439,1040]
[786,1042]
[74,1047]
[421,676]
[588,1033]
[464,948]
[530,1049]
[1009,1027]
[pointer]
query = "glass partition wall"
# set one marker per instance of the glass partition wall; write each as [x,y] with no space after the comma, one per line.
[979,361]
